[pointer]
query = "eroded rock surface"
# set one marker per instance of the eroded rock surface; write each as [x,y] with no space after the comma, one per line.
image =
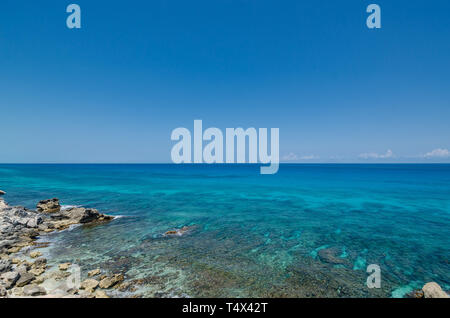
[48,206]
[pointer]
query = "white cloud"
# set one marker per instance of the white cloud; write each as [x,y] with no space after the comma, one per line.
[438,153]
[290,157]
[293,157]
[374,155]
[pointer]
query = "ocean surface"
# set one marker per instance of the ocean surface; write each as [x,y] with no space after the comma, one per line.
[308,231]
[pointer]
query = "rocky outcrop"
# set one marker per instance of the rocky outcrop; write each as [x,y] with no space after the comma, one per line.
[77,215]
[19,227]
[48,206]
[433,290]
[2,192]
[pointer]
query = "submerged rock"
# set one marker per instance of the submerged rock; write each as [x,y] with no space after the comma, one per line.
[178,232]
[35,254]
[2,192]
[330,255]
[48,206]
[433,290]
[94,272]
[109,282]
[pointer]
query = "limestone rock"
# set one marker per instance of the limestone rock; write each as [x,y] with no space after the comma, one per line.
[35,254]
[34,290]
[49,206]
[82,215]
[9,279]
[433,290]
[34,222]
[109,282]
[89,284]
[94,272]
[24,279]
[39,263]
[100,294]
[5,265]
[3,292]
[37,271]
[64,266]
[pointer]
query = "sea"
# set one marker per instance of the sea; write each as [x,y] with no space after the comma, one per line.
[311,230]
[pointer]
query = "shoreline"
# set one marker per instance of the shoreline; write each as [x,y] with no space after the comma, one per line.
[24,272]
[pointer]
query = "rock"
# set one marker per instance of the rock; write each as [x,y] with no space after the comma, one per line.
[39,263]
[58,275]
[35,254]
[64,266]
[329,255]
[24,279]
[89,284]
[415,294]
[3,292]
[82,215]
[22,268]
[124,286]
[2,192]
[433,290]
[14,249]
[39,280]
[109,282]
[9,279]
[5,265]
[100,294]
[16,291]
[34,290]
[178,232]
[37,271]
[34,222]
[49,206]
[171,233]
[94,272]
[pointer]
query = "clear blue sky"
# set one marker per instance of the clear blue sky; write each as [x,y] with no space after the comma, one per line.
[114,90]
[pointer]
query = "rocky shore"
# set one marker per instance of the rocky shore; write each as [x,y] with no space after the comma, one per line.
[23,270]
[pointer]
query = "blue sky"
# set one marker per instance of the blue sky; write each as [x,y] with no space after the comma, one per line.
[114,90]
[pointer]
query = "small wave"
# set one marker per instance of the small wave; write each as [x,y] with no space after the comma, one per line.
[67,207]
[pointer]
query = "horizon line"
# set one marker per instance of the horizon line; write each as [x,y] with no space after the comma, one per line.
[223,164]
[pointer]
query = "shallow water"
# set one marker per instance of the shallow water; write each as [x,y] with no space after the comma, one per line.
[252,235]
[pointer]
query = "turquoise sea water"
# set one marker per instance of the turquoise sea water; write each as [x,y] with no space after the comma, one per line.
[252,235]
